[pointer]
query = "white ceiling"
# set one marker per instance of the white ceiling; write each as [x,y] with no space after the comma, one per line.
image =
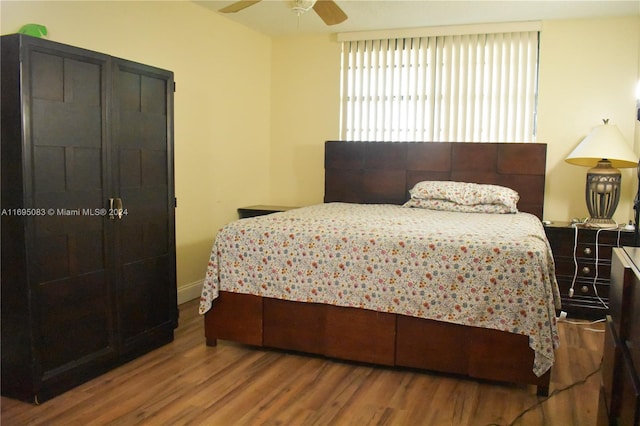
[275,18]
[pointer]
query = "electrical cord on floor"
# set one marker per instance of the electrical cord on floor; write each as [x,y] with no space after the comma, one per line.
[595,330]
[557,391]
[554,393]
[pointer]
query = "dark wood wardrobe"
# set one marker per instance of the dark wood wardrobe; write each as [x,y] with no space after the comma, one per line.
[88,272]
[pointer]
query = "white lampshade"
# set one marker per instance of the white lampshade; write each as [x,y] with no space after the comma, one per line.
[604,142]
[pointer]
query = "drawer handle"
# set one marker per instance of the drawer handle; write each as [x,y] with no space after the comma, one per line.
[587,250]
[584,289]
[586,270]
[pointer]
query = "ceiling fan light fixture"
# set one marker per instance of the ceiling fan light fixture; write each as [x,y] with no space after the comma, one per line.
[302,6]
[327,10]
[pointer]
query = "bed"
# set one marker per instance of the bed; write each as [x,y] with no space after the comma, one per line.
[366,278]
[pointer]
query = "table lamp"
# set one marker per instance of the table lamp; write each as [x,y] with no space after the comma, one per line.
[604,149]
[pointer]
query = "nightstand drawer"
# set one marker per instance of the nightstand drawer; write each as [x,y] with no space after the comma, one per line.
[585,249]
[586,269]
[583,287]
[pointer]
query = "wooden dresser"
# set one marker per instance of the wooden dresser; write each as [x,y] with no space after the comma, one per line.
[620,389]
[588,258]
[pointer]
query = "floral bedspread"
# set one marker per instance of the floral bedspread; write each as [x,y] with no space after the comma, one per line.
[485,270]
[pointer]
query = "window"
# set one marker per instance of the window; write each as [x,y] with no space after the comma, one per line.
[444,88]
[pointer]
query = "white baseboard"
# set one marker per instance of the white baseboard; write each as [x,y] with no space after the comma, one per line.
[190,291]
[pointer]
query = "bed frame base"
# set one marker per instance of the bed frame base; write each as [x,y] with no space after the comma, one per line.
[373,337]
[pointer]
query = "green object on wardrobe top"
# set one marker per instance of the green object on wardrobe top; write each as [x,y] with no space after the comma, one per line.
[35,30]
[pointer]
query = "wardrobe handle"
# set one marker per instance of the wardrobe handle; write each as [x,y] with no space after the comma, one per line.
[115,208]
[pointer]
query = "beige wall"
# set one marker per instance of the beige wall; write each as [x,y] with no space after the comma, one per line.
[305,110]
[588,71]
[252,113]
[222,102]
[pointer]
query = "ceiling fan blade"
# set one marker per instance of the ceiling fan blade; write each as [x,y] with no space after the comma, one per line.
[238,6]
[330,12]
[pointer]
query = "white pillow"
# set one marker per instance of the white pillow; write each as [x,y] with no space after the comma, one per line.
[465,194]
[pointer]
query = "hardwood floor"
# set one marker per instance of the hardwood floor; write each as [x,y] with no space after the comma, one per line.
[188,383]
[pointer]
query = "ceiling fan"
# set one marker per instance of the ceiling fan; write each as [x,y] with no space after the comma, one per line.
[327,10]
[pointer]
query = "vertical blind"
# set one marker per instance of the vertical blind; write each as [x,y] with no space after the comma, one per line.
[454,88]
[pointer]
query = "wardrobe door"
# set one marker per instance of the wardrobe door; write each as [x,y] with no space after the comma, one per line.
[65,169]
[142,143]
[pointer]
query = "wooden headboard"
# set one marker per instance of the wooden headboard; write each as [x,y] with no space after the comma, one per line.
[383,172]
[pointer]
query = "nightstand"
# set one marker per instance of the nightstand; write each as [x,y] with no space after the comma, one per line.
[261,210]
[592,274]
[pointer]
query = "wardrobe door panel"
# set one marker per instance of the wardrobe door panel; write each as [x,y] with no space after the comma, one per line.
[69,271]
[85,175]
[153,168]
[85,120]
[49,176]
[143,146]
[58,313]
[72,334]
[146,296]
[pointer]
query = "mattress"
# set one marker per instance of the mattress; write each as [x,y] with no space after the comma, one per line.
[477,269]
